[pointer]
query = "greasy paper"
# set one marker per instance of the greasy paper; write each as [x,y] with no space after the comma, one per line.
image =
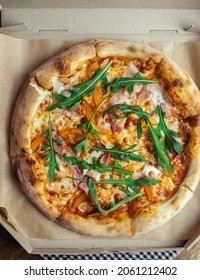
[20,57]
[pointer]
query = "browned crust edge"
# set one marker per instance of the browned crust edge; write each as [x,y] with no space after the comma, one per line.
[164,213]
[31,176]
[181,87]
[95,227]
[25,109]
[64,63]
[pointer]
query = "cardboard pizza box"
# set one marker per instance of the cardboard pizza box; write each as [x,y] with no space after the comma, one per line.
[33,31]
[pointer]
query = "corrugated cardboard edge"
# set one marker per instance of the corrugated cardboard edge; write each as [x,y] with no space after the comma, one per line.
[36,246]
[18,237]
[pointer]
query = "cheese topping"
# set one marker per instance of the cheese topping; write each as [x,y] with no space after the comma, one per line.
[84,124]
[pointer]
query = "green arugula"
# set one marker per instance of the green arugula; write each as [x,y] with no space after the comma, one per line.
[132,191]
[97,165]
[83,145]
[113,206]
[130,183]
[125,155]
[127,110]
[171,143]
[72,102]
[129,83]
[160,151]
[51,156]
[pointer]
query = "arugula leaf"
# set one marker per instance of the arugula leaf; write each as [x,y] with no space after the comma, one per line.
[129,83]
[139,129]
[72,102]
[127,110]
[83,145]
[113,206]
[131,183]
[171,143]
[160,151]
[97,165]
[132,191]
[51,156]
[128,182]
[125,155]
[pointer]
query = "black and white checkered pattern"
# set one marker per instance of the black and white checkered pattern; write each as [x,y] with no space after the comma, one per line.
[166,255]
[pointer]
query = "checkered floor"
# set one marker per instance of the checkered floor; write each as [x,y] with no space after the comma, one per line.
[166,255]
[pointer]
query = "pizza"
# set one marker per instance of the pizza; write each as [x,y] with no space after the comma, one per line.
[104,138]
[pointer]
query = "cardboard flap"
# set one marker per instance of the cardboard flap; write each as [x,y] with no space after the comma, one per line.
[47,246]
[184,4]
[19,237]
[121,18]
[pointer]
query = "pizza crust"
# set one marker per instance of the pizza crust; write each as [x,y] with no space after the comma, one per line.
[64,64]
[96,227]
[127,49]
[181,88]
[32,178]
[193,153]
[25,109]
[164,213]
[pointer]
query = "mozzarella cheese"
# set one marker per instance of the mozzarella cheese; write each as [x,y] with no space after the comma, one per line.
[151,171]
[126,136]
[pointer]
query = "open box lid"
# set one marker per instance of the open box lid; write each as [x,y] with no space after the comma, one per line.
[82,20]
[134,20]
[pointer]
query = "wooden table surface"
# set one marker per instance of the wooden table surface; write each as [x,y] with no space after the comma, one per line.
[11,250]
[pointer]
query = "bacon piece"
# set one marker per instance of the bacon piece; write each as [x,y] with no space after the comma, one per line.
[105,159]
[66,150]
[116,125]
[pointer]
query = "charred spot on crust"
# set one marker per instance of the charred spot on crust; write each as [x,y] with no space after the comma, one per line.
[132,49]
[16,168]
[33,180]
[194,121]
[150,63]
[23,151]
[12,131]
[30,162]
[178,83]
[61,66]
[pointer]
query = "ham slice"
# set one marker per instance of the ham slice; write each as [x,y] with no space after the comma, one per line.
[66,150]
[123,97]
[116,124]
[157,95]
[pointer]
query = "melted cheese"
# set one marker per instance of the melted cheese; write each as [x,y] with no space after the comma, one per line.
[41,91]
[58,86]
[148,98]
[131,71]
[151,171]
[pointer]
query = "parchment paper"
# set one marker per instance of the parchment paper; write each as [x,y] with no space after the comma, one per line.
[18,58]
